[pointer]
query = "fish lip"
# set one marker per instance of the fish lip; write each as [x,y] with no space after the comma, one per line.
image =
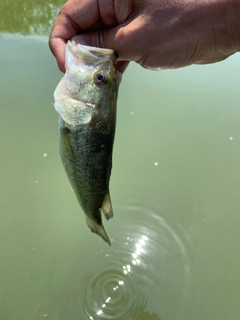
[90,54]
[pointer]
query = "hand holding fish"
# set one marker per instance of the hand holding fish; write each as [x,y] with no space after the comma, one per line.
[154,33]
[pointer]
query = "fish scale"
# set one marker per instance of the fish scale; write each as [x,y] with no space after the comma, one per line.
[85,100]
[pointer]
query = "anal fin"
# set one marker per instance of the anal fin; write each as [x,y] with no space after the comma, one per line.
[107,206]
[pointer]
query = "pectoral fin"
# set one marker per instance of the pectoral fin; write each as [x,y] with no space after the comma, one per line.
[107,206]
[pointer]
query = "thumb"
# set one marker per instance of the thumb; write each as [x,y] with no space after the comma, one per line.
[106,38]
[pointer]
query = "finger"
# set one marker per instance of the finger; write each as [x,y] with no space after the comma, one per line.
[57,47]
[122,66]
[123,39]
[85,39]
[62,30]
[77,16]
[67,25]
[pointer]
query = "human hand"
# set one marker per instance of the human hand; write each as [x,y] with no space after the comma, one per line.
[156,34]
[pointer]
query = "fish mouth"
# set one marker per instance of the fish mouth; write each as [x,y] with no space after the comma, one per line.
[88,54]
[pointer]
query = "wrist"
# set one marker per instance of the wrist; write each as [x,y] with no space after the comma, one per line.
[233,23]
[226,25]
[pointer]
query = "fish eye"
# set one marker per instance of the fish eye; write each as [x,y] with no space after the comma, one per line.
[100,78]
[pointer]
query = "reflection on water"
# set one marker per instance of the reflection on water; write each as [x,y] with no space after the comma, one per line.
[117,293]
[28,16]
[175,191]
[147,269]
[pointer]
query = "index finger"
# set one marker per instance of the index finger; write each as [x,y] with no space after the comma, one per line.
[75,16]
[63,30]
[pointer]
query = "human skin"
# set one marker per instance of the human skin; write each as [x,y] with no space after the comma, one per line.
[157,34]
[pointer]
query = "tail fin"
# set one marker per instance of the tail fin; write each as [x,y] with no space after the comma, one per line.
[98,229]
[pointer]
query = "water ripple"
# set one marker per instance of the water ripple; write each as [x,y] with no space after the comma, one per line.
[117,293]
[149,267]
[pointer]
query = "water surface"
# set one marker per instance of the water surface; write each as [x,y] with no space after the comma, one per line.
[175,191]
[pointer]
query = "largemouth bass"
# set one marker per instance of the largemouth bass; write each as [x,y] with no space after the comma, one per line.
[85,100]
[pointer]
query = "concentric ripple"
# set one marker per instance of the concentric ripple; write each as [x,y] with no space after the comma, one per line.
[146,267]
[117,293]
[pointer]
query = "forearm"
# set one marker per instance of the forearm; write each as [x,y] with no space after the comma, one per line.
[216,28]
[234,23]
[224,24]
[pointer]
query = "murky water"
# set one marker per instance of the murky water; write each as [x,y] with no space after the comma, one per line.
[175,191]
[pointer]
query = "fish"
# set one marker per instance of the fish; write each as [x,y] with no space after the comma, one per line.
[86,102]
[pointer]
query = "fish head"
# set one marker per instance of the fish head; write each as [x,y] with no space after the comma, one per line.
[89,85]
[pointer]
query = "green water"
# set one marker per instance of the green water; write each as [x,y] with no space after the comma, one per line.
[175,185]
